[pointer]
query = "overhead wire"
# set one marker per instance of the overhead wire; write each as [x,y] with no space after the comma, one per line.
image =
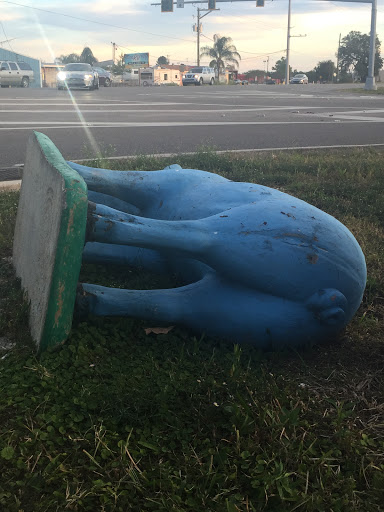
[97,22]
[6,37]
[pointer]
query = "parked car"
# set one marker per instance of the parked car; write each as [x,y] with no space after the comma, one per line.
[199,76]
[105,77]
[270,81]
[299,79]
[241,82]
[78,75]
[15,73]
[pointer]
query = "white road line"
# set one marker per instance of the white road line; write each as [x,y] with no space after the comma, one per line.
[359,118]
[99,124]
[234,109]
[365,111]
[70,103]
[49,99]
[156,104]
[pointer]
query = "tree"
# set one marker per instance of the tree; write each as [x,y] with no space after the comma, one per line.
[162,61]
[279,69]
[254,73]
[223,51]
[354,54]
[324,71]
[67,59]
[87,56]
[119,67]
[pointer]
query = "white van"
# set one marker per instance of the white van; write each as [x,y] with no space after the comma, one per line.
[15,73]
[199,76]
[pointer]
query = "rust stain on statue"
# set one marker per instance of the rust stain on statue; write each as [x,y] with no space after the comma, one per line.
[312,258]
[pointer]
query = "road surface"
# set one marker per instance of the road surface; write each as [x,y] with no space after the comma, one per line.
[122,121]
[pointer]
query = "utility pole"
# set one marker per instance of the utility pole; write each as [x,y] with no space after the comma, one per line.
[199,26]
[114,52]
[198,36]
[288,43]
[337,62]
[370,84]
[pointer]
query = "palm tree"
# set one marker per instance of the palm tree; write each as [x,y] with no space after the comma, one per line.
[223,51]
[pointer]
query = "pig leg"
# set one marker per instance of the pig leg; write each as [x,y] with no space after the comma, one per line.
[223,309]
[186,269]
[114,227]
[105,254]
[165,305]
[112,202]
[145,188]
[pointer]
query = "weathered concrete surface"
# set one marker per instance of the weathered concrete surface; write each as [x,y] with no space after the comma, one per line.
[49,239]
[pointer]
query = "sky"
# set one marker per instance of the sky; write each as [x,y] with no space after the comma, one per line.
[46,29]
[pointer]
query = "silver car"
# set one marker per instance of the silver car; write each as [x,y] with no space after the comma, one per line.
[78,75]
[299,79]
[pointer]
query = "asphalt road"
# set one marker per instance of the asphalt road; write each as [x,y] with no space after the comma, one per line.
[125,121]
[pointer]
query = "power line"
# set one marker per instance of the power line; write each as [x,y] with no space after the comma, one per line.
[251,53]
[6,37]
[97,22]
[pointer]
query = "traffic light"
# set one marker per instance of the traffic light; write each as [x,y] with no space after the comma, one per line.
[259,3]
[180,4]
[211,5]
[166,5]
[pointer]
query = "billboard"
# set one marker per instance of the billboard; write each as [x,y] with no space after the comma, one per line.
[136,60]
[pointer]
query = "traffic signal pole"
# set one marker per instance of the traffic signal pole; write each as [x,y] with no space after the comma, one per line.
[167,6]
[370,84]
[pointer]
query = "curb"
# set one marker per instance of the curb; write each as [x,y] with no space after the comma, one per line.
[10,186]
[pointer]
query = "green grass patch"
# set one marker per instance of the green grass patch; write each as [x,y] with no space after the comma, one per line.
[117,420]
[379,91]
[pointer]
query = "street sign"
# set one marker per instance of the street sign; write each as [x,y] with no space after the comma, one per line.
[180,4]
[166,5]
[259,3]
[211,5]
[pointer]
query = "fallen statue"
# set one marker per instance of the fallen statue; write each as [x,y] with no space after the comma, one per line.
[259,265]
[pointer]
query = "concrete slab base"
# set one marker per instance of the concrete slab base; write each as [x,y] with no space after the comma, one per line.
[49,239]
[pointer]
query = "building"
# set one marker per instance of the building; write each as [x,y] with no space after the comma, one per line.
[170,74]
[49,74]
[34,63]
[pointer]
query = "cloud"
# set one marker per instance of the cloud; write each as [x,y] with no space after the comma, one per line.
[261,31]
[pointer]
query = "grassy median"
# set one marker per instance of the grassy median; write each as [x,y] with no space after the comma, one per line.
[118,420]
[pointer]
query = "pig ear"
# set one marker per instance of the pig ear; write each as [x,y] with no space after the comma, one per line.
[172,167]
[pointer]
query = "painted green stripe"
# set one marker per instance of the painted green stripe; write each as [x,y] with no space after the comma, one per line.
[70,245]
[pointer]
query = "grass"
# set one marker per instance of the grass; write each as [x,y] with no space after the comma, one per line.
[117,420]
[379,91]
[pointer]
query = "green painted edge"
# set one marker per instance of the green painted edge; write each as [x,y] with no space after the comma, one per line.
[70,244]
